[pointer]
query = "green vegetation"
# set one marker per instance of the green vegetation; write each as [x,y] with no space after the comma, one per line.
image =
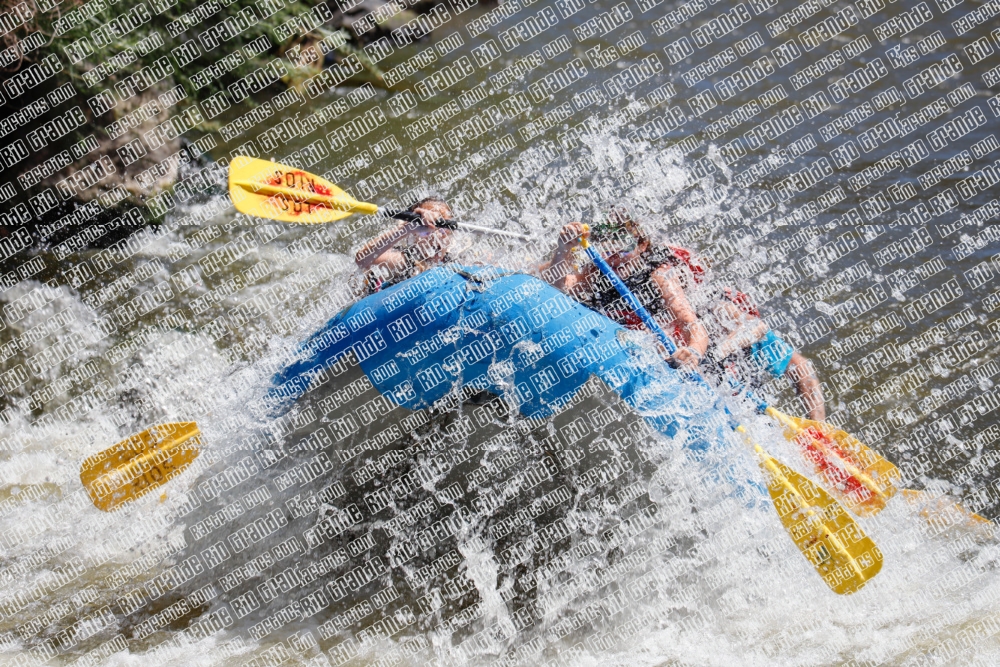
[120,54]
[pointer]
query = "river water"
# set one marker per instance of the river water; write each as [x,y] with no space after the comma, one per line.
[851,286]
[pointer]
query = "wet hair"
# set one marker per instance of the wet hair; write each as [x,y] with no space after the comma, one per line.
[619,216]
[616,225]
[428,200]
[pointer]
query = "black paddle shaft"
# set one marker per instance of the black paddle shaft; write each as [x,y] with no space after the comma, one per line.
[410,216]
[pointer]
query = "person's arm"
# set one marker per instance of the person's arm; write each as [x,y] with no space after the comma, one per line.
[800,372]
[380,249]
[559,270]
[695,335]
[744,330]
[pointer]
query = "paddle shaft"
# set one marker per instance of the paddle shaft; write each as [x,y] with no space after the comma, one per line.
[332,201]
[498,232]
[453,224]
[629,298]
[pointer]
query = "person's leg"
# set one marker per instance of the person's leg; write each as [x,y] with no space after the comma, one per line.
[800,372]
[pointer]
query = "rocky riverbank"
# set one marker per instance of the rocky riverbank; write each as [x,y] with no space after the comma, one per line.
[118,113]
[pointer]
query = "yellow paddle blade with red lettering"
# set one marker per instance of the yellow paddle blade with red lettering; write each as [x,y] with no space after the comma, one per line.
[275,191]
[137,465]
[862,479]
[819,526]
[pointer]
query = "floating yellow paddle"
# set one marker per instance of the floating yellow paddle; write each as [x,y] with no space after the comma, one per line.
[271,190]
[137,465]
[819,526]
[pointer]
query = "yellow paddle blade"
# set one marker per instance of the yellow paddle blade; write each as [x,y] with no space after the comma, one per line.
[863,479]
[826,535]
[945,515]
[139,464]
[272,190]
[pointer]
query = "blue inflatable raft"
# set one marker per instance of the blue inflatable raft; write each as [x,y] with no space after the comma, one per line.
[477,328]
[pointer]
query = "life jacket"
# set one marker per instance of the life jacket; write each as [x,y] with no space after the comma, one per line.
[685,257]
